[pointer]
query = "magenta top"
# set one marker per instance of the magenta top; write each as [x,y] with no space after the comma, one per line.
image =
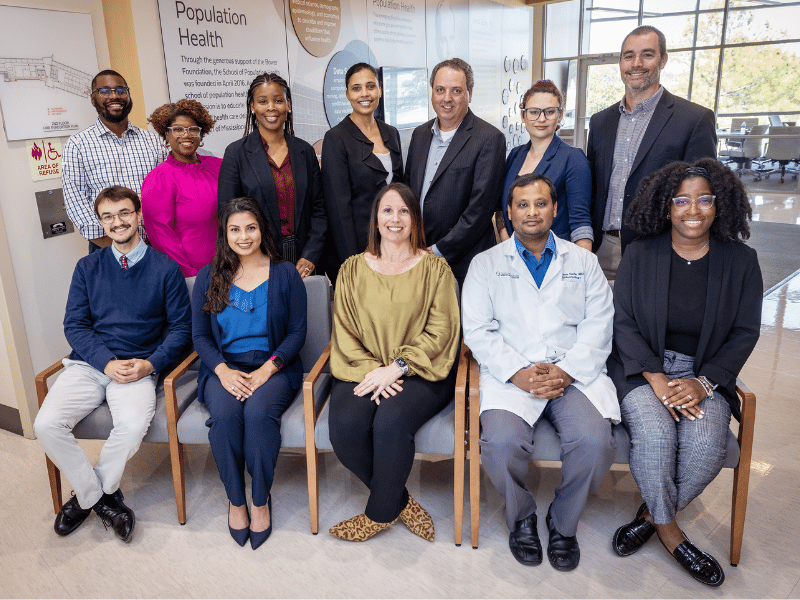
[179,206]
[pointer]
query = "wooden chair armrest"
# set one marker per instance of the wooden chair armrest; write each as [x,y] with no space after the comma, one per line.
[745,394]
[474,395]
[311,381]
[462,375]
[41,379]
[746,421]
[170,397]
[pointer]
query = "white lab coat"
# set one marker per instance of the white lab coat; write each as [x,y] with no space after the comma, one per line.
[510,323]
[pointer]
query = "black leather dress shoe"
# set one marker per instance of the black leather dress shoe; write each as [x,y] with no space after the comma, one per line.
[563,552]
[116,515]
[629,538]
[701,566]
[524,542]
[70,517]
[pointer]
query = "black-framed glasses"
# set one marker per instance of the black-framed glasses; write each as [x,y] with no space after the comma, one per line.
[193,131]
[702,202]
[105,92]
[124,215]
[532,114]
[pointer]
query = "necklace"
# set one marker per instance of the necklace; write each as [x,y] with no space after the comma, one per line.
[689,260]
[395,262]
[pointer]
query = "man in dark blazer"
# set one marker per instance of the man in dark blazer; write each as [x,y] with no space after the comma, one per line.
[629,140]
[455,165]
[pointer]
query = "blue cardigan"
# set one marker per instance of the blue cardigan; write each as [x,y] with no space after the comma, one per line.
[569,169]
[286,323]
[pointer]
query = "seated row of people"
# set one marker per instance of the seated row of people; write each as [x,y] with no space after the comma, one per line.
[538,315]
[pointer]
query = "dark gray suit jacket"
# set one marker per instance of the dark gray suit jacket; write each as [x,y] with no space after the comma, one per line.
[245,172]
[465,191]
[678,130]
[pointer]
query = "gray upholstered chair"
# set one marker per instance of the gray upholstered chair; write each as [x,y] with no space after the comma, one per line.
[186,418]
[443,434]
[97,425]
[783,149]
[547,447]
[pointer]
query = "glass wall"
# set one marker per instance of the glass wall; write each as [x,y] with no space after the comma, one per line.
[741,58]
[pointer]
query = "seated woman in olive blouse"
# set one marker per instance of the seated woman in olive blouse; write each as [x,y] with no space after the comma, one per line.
[395,339]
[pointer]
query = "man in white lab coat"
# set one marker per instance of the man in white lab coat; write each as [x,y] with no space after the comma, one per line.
[538,317]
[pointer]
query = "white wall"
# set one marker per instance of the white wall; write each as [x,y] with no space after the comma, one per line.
[35,272]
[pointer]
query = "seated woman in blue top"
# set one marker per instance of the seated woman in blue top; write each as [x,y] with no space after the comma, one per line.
[546,154]
[248,325]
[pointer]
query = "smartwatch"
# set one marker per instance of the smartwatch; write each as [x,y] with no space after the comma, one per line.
[277,361]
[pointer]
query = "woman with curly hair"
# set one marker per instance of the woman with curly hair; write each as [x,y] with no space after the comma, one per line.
[279,171]
[179,197]
[248,325]
[687,304]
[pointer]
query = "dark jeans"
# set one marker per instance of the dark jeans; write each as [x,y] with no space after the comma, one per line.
[376,442]
[247,433]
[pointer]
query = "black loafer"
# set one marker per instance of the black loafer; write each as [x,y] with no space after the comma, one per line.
[70,517]
[524,542]
[629,538]
[700,565]
[563,552]
[116,515]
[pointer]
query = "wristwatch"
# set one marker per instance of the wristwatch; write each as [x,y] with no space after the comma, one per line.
[402,364]
[277,361]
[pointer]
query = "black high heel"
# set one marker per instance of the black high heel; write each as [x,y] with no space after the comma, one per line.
[259,537]
[239,535]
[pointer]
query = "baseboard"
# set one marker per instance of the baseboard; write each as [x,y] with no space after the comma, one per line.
[10,419]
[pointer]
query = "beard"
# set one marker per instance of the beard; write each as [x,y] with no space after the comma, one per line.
[104,113]
[651,78]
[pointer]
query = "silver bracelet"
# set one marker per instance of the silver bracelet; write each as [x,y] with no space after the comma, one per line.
[706,385]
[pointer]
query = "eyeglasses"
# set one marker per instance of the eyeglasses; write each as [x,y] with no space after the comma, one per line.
[193,131]
[124,215]
[703,202]
[105,92]
[532,114]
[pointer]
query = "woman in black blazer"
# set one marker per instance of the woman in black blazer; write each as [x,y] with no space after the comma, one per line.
[687,302]
[279,171]
[359,157]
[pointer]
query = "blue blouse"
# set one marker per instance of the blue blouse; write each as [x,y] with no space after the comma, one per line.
[244,321]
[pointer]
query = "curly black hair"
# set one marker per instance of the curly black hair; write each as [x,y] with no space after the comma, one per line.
[648,213]
[164,116]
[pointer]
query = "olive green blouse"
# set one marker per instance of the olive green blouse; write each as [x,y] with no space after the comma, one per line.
[378,318]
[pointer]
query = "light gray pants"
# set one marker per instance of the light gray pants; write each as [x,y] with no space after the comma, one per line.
[608,255]
[77,392]
[587,451]
[672,462]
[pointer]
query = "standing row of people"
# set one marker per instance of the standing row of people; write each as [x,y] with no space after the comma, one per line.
[399,252]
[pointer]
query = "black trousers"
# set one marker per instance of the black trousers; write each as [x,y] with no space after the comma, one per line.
[376,441]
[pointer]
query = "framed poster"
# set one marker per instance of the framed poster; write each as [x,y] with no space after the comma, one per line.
[45,79]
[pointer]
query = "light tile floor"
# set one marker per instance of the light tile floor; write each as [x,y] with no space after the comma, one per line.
[200,560]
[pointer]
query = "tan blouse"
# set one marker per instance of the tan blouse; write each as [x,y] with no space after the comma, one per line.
[378,318]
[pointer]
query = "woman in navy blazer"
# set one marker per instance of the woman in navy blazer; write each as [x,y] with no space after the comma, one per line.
[360,156]
[687,302]
[293,204]
[248,325]
[546,154]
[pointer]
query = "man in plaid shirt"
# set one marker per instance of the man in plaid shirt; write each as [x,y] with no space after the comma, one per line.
[113,151]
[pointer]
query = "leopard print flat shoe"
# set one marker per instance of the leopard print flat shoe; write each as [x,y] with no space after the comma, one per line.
[358,529]
[418,520]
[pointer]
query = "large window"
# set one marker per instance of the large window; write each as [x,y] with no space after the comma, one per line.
[741,58]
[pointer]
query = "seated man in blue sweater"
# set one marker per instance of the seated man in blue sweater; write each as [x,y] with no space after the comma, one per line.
[128,317]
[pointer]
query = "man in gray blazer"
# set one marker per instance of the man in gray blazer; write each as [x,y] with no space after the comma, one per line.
[648,129]
[455,165]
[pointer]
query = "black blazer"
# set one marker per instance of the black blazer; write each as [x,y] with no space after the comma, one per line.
[731,322]
[245,172]
[678,130]
[351,178]
[465,192]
